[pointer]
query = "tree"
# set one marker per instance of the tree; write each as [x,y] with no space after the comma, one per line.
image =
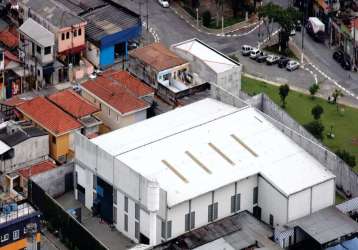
[206,18]
[316,128]
[313,89]
[283,92]
[346,157]
[317,111]
[336,94]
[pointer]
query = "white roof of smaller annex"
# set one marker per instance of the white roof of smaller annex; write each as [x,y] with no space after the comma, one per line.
[206,145]
[37,32]
[211,57]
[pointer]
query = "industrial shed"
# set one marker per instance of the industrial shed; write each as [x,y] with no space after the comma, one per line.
[197,164]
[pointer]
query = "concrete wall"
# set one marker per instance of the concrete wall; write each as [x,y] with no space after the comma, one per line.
[28,152]
[72,41]
[53,181]
[299,205]
[92,53]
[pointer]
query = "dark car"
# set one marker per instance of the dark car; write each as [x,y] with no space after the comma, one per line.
[283,62]
[261,58]
[346,63]
[338,56]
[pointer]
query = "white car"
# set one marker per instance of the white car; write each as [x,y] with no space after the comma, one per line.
[255,52]
[164,3]
[246,50]
[292,65]
[272,59]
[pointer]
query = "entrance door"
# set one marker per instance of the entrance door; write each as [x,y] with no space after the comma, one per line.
[81,194]
[257,212]
[68,182]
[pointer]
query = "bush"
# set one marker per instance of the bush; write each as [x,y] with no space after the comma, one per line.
[316,128]
[313,89]
[317,111]
[346,157]
[206,18]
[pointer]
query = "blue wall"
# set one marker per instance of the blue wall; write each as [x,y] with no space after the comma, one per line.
[106,56]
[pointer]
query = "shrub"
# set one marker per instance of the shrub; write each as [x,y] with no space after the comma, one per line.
[346,157]
[206,18]
[316,128]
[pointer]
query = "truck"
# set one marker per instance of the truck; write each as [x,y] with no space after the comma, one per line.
[316,29]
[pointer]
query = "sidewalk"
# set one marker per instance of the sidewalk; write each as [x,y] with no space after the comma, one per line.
[242,26]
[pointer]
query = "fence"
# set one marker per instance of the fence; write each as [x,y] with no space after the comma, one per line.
[71,232]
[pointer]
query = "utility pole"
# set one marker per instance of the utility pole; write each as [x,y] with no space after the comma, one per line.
[303,28]
[147,16]
[197,17]
[222,17]
[354,44]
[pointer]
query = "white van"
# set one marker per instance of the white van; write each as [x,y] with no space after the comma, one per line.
[246,50]
[255,53]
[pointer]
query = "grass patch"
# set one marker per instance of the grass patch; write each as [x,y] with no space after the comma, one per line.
[345,123]
[228,21]
[339,198]
[275,49]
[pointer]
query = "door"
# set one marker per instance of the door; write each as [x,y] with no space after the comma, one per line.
[81,194]
[68,182]
[257,212]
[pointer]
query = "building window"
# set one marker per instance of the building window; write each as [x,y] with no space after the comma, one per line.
[126,223]
[79,32]
[63,36]
[235,203]
[137,211]
[109,112]
[16,235]
[256,195]
[67,35]
[38,49]
[136,230]
[53,139]
[4,237]
[271,219]
[115,196]
[48,50]
[114,215]
[38,72]
[126,204]
[169,229]
[75,33]
[189,221]
[212,212]
[94,182]
[100,106]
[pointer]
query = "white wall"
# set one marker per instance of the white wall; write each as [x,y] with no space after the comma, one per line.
[323,195]
[92,53]
[177,216]
[299,205]
[223,197]
[200,205]
[85,179]
[272,202]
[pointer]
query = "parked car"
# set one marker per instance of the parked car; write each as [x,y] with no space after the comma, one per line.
[342,59]
[246,50]
[292,65]
[338,56]
[261,57]
[272,59]
[293,32]
[298,26]
[132,45]
[164,3]
[282,62]
[255,53]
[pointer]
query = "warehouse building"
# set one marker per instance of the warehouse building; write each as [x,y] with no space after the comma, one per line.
[162,177]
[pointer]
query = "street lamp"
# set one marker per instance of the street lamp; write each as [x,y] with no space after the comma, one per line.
[303,28]
[197,17]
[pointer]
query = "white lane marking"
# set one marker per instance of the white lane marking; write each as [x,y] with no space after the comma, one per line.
[152,31]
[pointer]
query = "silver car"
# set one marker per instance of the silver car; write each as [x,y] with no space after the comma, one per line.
[292,65]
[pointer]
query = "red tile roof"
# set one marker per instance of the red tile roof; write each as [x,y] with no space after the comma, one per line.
[158,56]
[114,94]
[13,101]
[73,103]
[49,116]
[8,39]
[130,82]
[37,169]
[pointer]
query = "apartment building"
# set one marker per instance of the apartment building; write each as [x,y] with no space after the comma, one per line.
[162,177]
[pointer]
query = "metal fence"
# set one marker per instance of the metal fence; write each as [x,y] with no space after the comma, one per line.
[71,232]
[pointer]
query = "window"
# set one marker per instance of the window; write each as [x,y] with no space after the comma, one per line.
[271,219]
[115,196]
[192,220]
[212,212]
[163,229]
[79,32]
[169,229]
[67,35]
[4,237]
[63,36]
[235,203]
[75,33]
[137,211]
[136,230]
[38,49]
[53,139]
[126,223]
[48,50]
[109,111]
[16,235]
[189,221]
[256,194]
[38,72]
[126,204]
[114,215]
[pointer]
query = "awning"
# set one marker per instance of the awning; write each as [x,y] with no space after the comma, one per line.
[73,50]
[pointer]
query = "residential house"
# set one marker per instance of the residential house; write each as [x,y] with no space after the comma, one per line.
[22,145]
[38,45]
[122,99]
[59,125]
[80,109]
[176,172]
[69,31]
[109,29]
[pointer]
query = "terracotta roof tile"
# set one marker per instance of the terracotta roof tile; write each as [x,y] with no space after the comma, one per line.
[8,39]
[130,82]
[114,94]
[37,169]
[73,103]
[158,56]
[48,115]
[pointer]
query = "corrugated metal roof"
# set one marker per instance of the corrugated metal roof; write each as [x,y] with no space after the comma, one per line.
[37,32]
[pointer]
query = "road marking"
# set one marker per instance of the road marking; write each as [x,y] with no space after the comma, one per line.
[153,32]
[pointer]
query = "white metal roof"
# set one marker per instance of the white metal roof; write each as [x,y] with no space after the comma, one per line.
[206,145]
[37,32]
[214,59]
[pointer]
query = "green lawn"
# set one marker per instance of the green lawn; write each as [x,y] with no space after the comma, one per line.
[339,198]
[345,124]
